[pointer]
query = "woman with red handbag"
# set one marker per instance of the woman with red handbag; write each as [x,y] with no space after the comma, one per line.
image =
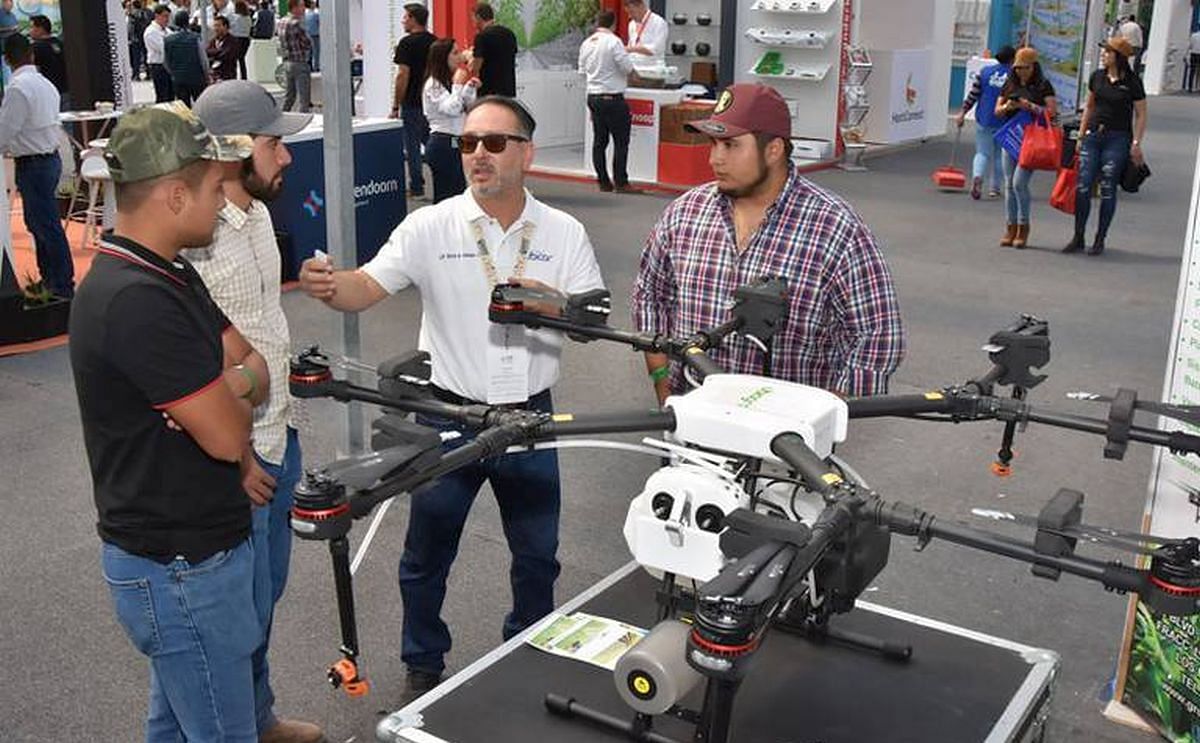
[1111,129]
[1026,90]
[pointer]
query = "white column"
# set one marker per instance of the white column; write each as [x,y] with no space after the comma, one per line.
[1166,46]
[379,43]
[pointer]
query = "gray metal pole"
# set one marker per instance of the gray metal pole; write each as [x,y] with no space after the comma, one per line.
[339,181]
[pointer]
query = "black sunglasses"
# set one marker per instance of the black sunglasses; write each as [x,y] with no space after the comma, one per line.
[493,143]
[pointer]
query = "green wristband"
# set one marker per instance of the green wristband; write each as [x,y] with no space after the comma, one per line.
[251,377]
[660,373]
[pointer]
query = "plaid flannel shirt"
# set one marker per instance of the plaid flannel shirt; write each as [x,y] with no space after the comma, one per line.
[842,331]
[295,43]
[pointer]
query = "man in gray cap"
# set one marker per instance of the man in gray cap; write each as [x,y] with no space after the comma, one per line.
[241,270]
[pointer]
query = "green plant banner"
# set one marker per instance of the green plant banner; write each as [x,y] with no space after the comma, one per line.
[1056,29]
[1162,671]
[551,29]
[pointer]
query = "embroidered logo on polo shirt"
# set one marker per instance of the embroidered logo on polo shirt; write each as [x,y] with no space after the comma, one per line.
[535,255]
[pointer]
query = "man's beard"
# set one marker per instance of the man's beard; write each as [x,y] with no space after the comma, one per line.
[256,187]
[754,187]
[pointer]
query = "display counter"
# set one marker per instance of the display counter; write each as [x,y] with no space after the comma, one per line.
[645,104]
[379,191]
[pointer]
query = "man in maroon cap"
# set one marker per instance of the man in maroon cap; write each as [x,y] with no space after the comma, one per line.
[842,329]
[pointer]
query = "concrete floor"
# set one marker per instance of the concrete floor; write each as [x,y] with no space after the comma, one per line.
[75,676]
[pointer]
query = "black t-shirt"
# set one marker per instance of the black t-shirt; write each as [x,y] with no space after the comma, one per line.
[497,47]
[1034,92]
[146,334]
[1113,107]
[413,50]
[48,56]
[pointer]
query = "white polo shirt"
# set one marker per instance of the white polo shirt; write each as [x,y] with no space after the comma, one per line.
[435,249]
[652,34]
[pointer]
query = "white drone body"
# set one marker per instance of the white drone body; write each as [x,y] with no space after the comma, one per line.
[674,524]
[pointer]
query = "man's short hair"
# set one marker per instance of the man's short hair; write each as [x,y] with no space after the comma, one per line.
[638,3]
[418,13]
[222,19]
[182,20]
[17,50]
[763,139]
[484,12]
[130,196]
[525,120]
[606,19]
[293,4]
[41,22]
[160,9]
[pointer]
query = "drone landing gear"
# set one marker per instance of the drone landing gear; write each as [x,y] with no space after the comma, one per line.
[640,728]
[821,633]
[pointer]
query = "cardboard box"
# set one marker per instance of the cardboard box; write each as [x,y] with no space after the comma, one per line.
[704,73]
[674,116]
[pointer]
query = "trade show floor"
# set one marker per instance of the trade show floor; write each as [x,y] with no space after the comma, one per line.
[1110,319]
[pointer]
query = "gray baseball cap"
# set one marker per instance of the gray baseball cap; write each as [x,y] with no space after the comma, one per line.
[245,107]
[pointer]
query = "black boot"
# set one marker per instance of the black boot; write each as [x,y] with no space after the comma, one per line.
[1097,246]
[1075,245]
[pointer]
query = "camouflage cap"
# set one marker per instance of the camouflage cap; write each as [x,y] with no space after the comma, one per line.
[153,141]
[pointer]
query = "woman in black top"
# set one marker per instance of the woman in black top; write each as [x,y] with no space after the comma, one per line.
[1114,120]
[1025,90]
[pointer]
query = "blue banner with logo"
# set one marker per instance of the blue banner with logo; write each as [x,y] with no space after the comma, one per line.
[299,212]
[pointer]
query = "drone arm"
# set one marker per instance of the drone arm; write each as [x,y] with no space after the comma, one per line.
[904,519]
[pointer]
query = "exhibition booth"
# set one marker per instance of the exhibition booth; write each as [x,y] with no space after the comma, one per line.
[817,53]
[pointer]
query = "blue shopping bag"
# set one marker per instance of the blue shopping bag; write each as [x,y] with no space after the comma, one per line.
[1012,132]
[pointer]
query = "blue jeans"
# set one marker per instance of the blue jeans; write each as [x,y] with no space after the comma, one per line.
[445,162]
[527,490]
[987,153]
[416,135]
[314,61]
[1103,156]
[1016,190]
[272,540]
[37,180]
[197,625]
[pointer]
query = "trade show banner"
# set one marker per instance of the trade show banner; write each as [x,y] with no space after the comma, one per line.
[548,32]
[909,100]
[1161,659]
[1056,28]
[26,9]
[118,55]
[379,202]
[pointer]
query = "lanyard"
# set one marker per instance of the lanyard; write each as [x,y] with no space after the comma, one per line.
[485,255]
[640,28]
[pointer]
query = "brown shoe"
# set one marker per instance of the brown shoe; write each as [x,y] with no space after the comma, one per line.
[1022,237]
[293,731]
[1010,234]
[629,189]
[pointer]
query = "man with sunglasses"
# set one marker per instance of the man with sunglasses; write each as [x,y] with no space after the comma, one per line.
[455,252]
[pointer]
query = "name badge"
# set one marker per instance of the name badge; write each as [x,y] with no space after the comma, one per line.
[507,365]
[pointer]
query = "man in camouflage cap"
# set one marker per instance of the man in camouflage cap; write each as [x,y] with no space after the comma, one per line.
[166,387]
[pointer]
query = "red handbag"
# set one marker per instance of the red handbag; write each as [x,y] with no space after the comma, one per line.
[1041,147]
[1062,197]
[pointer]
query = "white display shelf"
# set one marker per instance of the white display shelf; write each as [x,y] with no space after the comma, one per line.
[793,6]
[789,38]
[805,73]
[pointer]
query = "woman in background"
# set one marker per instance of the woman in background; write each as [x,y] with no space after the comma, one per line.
[1110,133]
[240,22]
[985,89]
[449,90]
[1026,90]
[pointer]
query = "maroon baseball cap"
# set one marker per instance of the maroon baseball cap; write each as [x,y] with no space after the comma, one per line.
[746,108]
